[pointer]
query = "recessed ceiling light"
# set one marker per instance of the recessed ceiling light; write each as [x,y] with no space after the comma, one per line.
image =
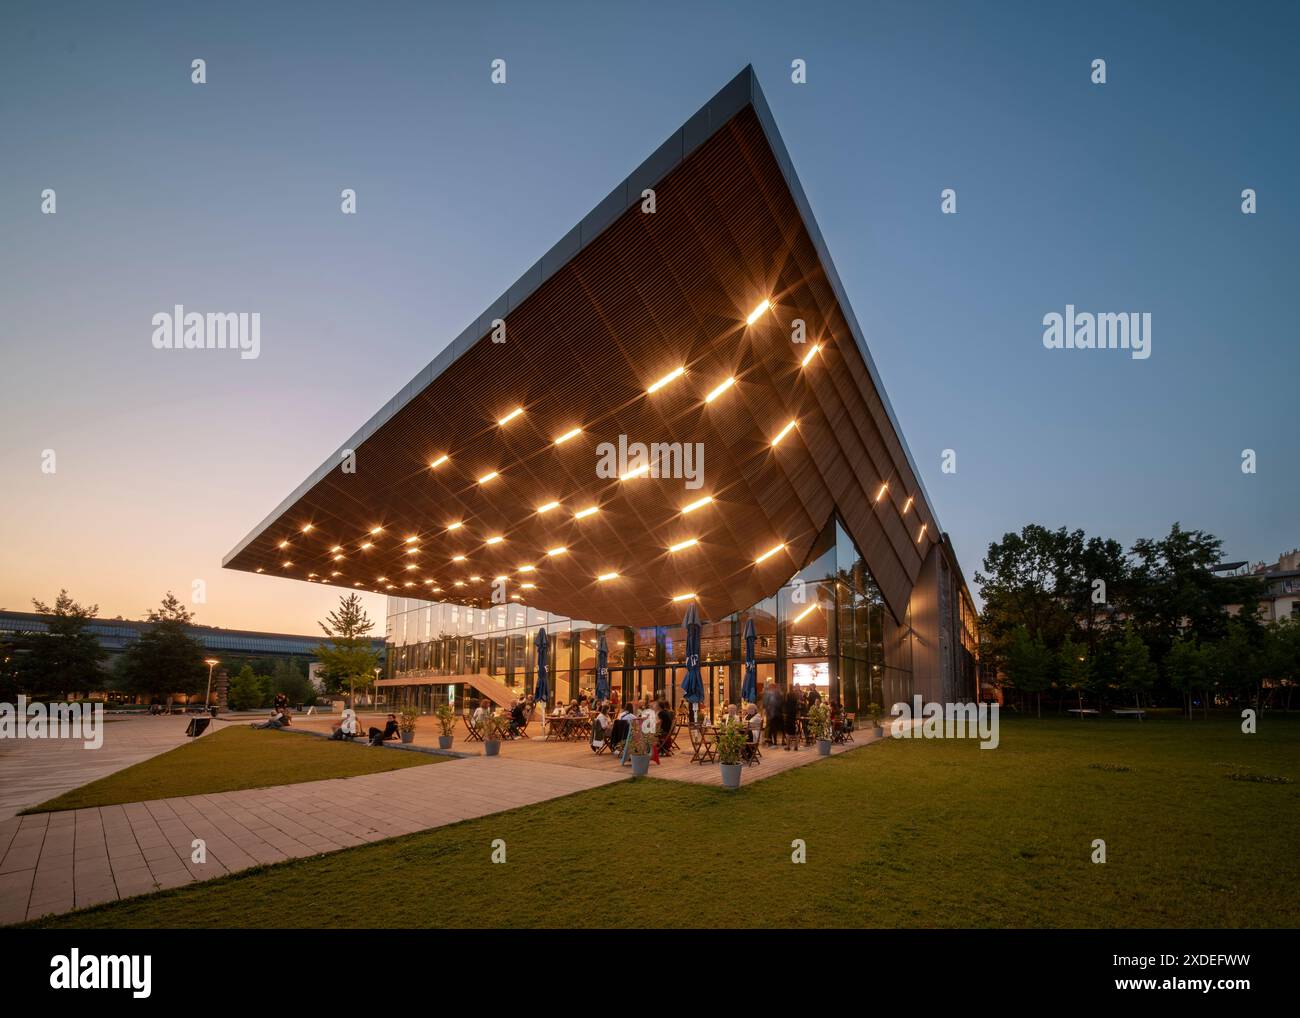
[881,493]
[783,432]
[336,548]
[571,433]
[336,573]
[758,312]
[458,558]
[460,583]
[412,567]
[548,507]
[338,558]
[640,471]
[306,528]
[494,540]
[381,579]
[439,461]
[908,504]
[684,597]
[376,530]
[584,513]
[768,554]
[683,545]
[528,586]
[284,544]
[412,551]
[674,374]
[498,579]
[367,546]
[412,539]
[807,358]
[720,390]
[510,416]
[604,577]
[487,477]
[475,579]
[409,583]
[699,503]
[455,526]
[286,564]
[556,551]
[922,533]
[527,569]
[259,569]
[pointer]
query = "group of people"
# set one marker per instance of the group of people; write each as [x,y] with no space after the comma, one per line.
[787,712]
[279,714]
[349,728]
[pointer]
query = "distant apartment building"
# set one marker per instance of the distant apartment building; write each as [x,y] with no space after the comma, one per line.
[1281,599]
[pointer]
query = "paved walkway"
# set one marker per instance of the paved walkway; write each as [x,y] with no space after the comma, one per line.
[54,862]
[33,771]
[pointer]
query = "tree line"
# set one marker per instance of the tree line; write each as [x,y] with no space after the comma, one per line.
[1083,620]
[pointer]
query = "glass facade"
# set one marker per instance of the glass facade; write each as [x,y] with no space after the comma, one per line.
[827,626]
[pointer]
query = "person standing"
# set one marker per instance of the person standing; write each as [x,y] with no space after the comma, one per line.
[793,701]
[772,706]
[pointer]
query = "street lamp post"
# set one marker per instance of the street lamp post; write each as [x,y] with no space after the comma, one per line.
[211,662]
[374,701]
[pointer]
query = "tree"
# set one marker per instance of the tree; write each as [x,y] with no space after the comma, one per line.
[165,659]
[351,658]
[289,679]
[1028,664]
[1072,668]
[1239,656]
[1134,669]
[66,657]
[248,690]
[1190,667]
[1282,656]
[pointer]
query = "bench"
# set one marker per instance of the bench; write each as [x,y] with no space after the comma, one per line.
[1084,712]
[1130,712]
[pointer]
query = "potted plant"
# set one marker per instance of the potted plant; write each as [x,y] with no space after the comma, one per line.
[819,725]
[873,709]
[493,727]
[406,721]
[447,723]
[731,751]
[639,749]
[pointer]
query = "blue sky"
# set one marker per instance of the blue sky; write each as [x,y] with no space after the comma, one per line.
[1118,197]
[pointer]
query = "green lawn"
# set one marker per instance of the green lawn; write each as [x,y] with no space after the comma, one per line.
[231,758]
[917,833]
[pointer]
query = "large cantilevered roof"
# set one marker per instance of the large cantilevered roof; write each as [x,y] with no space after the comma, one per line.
[672,327]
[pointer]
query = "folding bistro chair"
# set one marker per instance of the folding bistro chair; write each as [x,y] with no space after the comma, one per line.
[474,734]
[708,745]
[848,724]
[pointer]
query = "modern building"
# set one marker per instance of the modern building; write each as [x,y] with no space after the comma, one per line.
[675,405]
[115,635]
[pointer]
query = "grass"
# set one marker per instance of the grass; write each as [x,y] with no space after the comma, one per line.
[907,833]
[232,758]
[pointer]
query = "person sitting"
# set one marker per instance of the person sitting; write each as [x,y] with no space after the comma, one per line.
[518,718]
[389,731]
[347,726]
[277,721]
[600,729]
[573,709]
[480,713]
[666,721]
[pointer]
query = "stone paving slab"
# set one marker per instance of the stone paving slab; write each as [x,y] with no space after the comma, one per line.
[54,862]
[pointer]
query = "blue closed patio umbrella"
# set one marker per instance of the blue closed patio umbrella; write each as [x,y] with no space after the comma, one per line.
[602,669]
[542,691]
[692,687]
[749,688]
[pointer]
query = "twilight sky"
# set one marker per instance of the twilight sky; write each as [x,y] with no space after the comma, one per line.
[225,196]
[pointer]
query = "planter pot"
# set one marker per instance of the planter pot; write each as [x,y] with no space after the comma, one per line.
[407,737]
[491,747]
[640,765]
[444,741]
[878,732]
[824,747]
[731,775]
